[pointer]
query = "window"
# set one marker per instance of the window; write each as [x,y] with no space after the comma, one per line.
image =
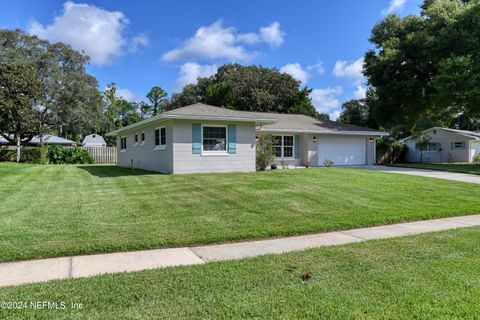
[215,138]
[123,143]
[430,147]
[283,146]
[160,138]
[459,145]
[136,139]
[143,137]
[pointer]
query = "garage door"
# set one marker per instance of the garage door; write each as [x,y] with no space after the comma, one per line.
[342,150]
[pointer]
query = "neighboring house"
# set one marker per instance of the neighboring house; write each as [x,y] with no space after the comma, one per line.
[203,138]
[445,145]
[47,139]
[94,140]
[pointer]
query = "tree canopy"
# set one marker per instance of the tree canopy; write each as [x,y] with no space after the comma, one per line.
[71,100]
[425,69]
[20,91]
[248,88]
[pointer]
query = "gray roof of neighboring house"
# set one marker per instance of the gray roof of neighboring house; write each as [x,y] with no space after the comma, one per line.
[470,134]
[47,139]
[93,140]
[268,121]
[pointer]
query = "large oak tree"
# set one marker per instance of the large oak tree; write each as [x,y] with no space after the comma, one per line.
[425,69]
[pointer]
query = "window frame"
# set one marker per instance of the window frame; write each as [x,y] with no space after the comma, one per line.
[135,139]
[123,143]
[142,138]
[282,146]
[215,152]
[462,145]
[159,146]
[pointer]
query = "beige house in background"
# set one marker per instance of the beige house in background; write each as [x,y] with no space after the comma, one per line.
[445,145]
[203,138]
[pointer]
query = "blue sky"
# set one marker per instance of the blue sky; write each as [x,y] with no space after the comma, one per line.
[139,44]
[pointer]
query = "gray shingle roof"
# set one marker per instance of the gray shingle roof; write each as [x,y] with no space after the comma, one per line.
[472,134]
[47,139]
[299,122]
[200,109]
[269,121]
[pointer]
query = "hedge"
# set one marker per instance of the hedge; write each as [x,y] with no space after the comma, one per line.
[51,154]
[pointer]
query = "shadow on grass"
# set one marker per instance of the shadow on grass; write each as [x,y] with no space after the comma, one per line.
[110,171]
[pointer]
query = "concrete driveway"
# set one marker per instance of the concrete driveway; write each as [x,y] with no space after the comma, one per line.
[462,177]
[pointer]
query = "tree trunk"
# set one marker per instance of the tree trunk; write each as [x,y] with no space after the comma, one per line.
[40,135]
[19,138]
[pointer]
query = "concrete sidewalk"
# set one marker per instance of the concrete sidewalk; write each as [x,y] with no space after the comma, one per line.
[22,272]
[453,176]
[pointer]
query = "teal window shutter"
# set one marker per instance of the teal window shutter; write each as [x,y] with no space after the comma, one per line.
[232,138]
[297,146]
[196,138]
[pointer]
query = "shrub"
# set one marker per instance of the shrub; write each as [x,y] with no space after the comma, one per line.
[60,155]
[328,163]
[7,154]
[30,155]
[284,164]
[265,155]
[273,166]
[476,158]
[389,151]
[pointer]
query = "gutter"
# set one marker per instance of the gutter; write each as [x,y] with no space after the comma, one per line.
[335,132]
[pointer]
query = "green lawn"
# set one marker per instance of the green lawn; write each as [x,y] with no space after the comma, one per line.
[432,276]
[56,210]
[473,168]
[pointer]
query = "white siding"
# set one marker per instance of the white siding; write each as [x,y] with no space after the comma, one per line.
[187,162]
[446,155]
[144,156]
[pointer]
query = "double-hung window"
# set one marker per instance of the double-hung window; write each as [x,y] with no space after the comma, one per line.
[160,138]
[214,138]
[123,143]
[283,146]
[143,138]
[136,139]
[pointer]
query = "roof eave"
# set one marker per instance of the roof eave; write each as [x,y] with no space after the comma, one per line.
[338,132]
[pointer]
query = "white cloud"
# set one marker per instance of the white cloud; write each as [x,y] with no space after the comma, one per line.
[395,5]
[325,100]
[219,42]
[272,35]
[125,93]
[190,72]
[296,71]
[98,32]
[317,68]
[360,92]
[347,69]
[140,40]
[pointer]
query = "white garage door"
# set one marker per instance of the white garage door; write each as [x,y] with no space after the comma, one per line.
[342,150]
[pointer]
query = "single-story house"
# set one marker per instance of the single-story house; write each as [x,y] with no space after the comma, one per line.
[47,139]
[203,138]
[445,145]
[94,140]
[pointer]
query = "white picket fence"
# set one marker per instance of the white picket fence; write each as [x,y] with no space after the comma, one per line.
[102,154]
